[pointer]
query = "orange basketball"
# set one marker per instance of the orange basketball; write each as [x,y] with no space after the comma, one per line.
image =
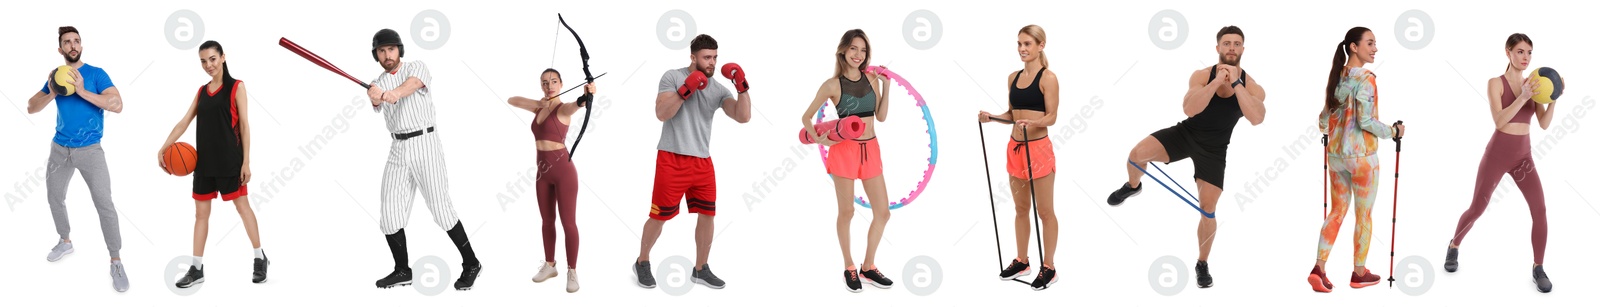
[180,158]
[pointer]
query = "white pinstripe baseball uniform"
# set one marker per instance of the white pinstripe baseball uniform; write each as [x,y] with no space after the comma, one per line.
[416,162]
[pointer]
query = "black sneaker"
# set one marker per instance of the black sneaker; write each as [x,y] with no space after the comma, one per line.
[877,279]
[260,274]
[1450,264]
[469,275]
[642,275]
[194,277]
[1541,280]
[852,281]
[705,277]
[1016,269]
[1123,194]
[400,277]
[1047,277]
[1202,273]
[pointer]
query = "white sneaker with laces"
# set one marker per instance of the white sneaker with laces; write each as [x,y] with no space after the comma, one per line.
[546,272]
[572,280]
[61,249]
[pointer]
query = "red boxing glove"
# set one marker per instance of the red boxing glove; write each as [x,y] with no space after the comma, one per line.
[696,81]
[733,72]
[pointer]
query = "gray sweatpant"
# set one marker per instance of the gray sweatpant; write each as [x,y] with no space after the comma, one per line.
[91,162]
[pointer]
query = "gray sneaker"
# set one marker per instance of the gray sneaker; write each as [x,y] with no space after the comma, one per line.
[119,278]
[61,250]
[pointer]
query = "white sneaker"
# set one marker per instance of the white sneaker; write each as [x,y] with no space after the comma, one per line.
[572,280]
[119,277]
[546,272]
[61,249]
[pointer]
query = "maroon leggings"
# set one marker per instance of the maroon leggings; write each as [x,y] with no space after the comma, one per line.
[557,188]
[1508,154]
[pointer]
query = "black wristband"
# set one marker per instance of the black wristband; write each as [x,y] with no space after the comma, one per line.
[1237,82]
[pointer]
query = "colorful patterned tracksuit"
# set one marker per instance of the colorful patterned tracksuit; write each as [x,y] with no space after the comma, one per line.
[1353,135]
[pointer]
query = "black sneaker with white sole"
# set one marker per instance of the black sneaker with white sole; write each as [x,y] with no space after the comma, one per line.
[195,276]
[1450,264]
[1541,280]
[1016,269]
[704,276]
[1123,193]
[260,273]
[1047,277]
[1202,274]
[469,275]
[877,279]
[400,277]
[852,281]
[642,275]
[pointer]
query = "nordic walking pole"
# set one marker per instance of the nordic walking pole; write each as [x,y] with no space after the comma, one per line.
[992,215]
[1396,206]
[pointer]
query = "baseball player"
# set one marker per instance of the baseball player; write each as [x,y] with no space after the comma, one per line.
[686,103]
[416,159]
[80,122]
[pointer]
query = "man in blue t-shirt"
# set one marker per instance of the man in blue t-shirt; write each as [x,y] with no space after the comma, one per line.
[80,121]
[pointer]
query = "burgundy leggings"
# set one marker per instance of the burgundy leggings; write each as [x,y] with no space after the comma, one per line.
[557,188]
[1508,154]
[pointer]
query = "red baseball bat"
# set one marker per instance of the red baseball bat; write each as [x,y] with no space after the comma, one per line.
[315,59]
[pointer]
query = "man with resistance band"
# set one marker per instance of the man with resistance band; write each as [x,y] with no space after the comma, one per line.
[1218,96]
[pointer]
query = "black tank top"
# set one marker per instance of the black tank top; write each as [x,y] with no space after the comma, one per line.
[856,98]
[1214,125]
[219,150]
[1030,98]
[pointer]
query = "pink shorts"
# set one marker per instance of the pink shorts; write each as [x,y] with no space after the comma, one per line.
[1043,157]
[855,159]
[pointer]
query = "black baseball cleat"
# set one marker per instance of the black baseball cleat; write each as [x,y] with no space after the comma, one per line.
[1202,273]
[194,277]
[642,275]
[877,279]
[1123,193]
[469,274]
[400,277]
[1016,269]
[260,274]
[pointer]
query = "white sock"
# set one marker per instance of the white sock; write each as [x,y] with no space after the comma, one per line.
[260,254]
[197,264]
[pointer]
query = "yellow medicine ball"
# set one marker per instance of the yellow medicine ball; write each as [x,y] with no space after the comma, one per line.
[63,82]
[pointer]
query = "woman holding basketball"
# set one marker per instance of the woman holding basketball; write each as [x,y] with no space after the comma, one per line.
[223,162]
[1350,119]
[1031,160]
[557,183]
[1509,152]
[858,93]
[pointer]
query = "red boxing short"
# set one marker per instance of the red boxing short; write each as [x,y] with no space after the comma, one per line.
[677,175]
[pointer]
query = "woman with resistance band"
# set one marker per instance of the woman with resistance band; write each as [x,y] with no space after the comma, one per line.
[1033,111]
[1509,152]
[1350,119]
[855,93]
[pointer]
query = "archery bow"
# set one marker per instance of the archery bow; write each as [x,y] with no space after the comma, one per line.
[587,100]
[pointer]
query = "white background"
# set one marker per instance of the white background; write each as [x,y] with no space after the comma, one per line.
[776,243]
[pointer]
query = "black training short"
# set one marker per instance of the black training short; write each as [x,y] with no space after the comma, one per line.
[1210,158]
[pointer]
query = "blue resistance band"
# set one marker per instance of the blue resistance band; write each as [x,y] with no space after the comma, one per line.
[1210,215]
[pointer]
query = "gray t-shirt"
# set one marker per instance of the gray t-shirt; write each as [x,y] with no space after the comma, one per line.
[689,132]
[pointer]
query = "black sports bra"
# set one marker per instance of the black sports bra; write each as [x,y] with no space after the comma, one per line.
[1030,98]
